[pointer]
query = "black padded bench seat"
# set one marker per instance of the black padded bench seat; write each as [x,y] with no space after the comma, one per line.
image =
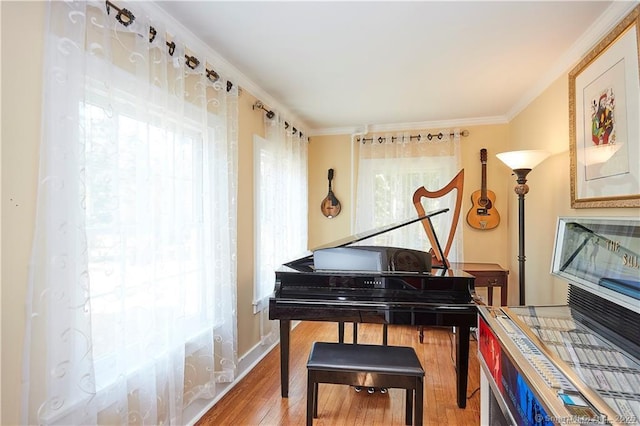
[366,366]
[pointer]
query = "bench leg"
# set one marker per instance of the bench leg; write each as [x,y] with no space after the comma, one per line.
[311,397]
[315,400]
[408,414]
[419,401]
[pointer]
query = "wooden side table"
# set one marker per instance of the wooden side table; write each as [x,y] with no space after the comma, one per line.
[490,275]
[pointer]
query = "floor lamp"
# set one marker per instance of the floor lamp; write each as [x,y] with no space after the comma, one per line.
[521,162]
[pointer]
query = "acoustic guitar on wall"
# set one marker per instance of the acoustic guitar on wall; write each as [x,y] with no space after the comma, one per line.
[483,214]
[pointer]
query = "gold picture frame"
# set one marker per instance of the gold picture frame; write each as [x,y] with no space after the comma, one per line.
[604,120]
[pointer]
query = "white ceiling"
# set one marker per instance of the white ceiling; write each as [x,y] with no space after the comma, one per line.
[342,65]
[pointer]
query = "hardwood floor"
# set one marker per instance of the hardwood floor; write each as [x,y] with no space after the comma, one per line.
[256,399]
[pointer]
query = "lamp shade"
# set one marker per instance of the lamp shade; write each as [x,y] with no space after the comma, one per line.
[523,159]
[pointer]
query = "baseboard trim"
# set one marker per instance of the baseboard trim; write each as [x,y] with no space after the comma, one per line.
[246,363]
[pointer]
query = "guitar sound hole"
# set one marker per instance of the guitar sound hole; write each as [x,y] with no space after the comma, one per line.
[485,204]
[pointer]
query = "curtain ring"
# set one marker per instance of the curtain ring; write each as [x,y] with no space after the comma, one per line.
[125,17]
[213,77]
[172,47]
[192,61]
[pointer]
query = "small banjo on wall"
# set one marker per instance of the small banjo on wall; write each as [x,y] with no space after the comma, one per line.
[330,206]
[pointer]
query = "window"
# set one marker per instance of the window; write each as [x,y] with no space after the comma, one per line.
[132,287]
[388,175]
[145,229]
[280,206]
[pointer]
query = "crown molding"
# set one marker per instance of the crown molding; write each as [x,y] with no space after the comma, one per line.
[399,127]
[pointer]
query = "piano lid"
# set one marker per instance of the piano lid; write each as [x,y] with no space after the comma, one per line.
[387,228]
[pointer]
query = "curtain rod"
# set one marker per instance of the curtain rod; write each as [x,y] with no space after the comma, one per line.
[429,136]
[125,17]
[270,114]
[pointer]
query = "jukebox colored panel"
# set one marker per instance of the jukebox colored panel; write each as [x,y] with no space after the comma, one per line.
[491,352]
[522,402]
[520,399]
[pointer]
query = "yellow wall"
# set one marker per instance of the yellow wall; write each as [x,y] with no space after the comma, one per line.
[329,152]
[250,123]
[22,56]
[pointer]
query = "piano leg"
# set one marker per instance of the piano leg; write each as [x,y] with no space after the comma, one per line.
[285,327]
[340,332]
[462,364]
[385,327]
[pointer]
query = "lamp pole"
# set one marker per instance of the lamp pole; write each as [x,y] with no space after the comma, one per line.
[521,189]
[521,163]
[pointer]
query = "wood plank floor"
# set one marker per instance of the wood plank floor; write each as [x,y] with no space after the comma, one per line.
[256,399]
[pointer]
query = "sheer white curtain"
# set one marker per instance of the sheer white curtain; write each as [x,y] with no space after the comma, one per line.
[280,170]
[391,167]
[132,291]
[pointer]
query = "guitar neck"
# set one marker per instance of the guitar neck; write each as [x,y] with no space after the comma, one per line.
[483,188]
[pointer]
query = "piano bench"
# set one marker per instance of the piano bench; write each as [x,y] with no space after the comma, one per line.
[366,366]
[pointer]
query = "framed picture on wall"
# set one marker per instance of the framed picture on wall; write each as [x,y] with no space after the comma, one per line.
[604,114]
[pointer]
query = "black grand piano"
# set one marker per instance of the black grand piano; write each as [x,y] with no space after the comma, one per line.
[342,282]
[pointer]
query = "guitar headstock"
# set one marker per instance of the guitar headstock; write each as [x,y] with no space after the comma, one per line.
[483,155]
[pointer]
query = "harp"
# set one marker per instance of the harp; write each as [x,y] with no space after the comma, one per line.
[456,183]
